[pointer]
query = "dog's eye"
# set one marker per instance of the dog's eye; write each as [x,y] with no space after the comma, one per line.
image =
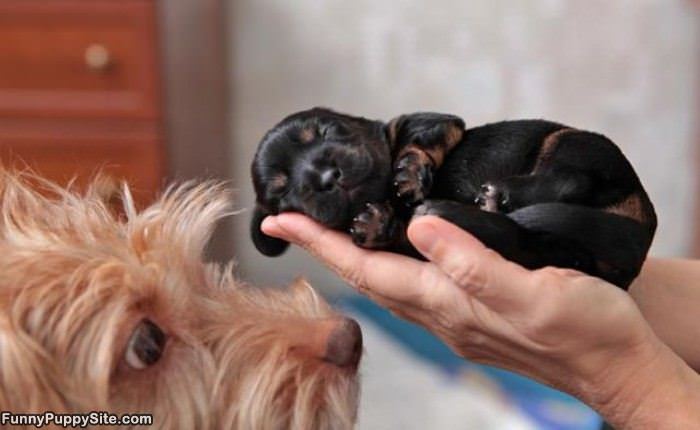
[145,346]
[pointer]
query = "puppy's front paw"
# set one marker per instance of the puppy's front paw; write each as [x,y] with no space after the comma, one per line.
[374,227]
[412,180]
[493,198]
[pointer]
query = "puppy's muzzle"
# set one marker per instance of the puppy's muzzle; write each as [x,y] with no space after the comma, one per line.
[322,180]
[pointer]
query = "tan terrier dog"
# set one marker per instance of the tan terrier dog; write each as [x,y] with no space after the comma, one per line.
[115,311]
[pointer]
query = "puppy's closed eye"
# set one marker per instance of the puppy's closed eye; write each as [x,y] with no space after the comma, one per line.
[334,130]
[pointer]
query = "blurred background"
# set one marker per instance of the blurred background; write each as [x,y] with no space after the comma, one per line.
[159,90]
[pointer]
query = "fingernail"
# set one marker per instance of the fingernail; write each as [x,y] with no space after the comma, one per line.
[270,226]
[424,237]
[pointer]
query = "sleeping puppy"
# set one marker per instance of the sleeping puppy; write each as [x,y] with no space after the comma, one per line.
[538,192]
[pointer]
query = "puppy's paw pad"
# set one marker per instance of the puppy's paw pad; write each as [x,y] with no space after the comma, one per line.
[373,227]
[493,198]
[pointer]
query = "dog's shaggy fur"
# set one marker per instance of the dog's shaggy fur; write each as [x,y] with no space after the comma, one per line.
[78,278]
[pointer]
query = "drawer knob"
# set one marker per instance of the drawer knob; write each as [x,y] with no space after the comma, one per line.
[97,57]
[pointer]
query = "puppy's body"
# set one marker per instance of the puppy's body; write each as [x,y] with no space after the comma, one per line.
[117,312]
[538,192]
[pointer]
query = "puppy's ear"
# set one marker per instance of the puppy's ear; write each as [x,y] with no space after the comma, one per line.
[426,129]
[268,245]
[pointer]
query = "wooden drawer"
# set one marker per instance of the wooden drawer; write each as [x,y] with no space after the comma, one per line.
[78,58]
[138,161]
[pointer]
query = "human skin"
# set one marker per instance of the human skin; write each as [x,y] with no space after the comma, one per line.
[571,331]
[667,292]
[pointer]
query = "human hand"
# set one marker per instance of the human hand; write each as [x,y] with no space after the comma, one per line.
[561,327]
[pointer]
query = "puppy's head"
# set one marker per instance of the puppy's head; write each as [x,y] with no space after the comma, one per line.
[324,164]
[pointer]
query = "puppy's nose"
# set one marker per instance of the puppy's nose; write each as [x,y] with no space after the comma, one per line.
[328,178]
[344,344]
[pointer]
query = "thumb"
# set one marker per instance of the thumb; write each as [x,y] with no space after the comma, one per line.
[481,271]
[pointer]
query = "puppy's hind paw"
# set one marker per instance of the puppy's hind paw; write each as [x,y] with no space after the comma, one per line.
[493,198]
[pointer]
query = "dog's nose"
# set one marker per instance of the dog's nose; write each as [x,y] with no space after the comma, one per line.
[344,344]
[328,178]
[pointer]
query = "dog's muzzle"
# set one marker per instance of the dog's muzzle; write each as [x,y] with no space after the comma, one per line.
[344,344]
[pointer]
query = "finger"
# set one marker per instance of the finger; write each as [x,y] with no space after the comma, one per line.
[396,298]
[483,272]
[271,227]
[381,275]
[300,230]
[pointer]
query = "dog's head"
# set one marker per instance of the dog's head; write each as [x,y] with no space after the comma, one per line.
[321,163]
[116,311]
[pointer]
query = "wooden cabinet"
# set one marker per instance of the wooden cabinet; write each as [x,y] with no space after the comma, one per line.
[80,89]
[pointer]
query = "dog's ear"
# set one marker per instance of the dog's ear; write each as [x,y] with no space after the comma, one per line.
[426,129]
[268,245]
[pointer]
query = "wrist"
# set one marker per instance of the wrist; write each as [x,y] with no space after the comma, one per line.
[666,294]
[652,388]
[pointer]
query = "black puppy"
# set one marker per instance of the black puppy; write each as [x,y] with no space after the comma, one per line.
[538,192]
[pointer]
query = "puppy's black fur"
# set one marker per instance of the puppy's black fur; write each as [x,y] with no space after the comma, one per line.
[538,192]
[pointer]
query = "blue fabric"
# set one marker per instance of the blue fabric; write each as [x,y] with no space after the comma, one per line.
[549,408]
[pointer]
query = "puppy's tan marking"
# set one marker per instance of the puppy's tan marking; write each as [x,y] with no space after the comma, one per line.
[631,207]
[435,154]
[547,149]
[392,127]
[307,135]
[453,136]
[278,181]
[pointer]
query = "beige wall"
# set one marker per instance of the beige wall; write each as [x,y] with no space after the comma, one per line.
[622,67]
